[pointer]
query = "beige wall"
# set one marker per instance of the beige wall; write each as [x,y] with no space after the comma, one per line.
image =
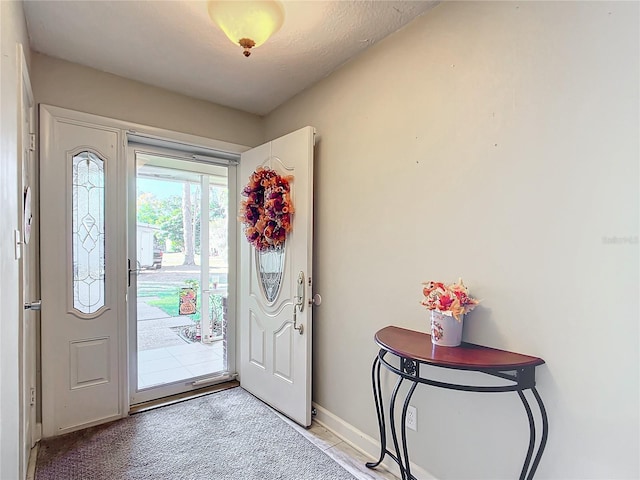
[497,141]
[13,30]
[69,85]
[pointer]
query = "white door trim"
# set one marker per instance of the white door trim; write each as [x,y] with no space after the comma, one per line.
[29,433]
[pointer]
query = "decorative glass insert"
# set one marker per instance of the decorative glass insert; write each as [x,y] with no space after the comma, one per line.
[88,241]
[270,266]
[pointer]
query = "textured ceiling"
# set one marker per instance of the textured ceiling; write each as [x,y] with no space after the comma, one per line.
[174,44]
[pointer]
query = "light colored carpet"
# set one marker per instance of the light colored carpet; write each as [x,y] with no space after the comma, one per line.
[225,435]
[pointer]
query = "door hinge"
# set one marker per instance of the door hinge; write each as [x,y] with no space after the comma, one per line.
[32,142]
[32,396]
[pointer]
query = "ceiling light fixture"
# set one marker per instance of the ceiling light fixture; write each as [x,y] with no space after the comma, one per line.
[247,23]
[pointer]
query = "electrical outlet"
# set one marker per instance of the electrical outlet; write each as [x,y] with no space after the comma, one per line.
[412,418]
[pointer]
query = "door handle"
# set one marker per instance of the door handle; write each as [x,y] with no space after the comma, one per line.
[299,328]
[36,306]
[299,303]
[133,271]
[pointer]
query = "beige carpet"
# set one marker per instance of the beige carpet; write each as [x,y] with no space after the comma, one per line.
[224,435]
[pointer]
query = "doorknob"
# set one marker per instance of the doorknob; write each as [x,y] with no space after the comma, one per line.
[37,305]
[315,300]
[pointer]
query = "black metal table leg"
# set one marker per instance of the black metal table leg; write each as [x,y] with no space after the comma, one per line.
[405,451]
[532,435]
[392,422]
[545,433]
[529,469]
[377,395]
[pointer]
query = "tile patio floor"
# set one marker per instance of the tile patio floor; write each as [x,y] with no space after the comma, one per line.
[164,357]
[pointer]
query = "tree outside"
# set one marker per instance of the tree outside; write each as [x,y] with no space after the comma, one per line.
[178,217]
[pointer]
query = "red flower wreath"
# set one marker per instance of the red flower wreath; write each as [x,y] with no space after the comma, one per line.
[266,213]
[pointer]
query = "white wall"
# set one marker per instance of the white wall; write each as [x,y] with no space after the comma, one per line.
[497,141]
[69,85]
[13,32]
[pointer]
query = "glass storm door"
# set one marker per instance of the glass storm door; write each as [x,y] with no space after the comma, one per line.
[179,275]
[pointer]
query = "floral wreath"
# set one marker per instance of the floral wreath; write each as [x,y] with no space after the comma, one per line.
[266,213]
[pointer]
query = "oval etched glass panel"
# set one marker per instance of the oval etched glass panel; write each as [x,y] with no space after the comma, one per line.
[88,232]
[270,268]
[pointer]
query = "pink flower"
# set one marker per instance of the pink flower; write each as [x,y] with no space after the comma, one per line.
[452,298]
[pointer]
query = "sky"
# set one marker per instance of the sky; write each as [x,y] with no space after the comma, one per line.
[159,188]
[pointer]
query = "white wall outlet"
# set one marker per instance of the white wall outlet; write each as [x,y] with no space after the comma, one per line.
[412,418]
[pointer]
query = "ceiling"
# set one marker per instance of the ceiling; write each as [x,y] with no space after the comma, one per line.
[174,45]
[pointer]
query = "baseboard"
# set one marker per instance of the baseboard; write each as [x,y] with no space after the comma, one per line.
[362,442]
[31,466]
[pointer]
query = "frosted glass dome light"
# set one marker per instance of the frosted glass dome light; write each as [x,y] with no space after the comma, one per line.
[247,23]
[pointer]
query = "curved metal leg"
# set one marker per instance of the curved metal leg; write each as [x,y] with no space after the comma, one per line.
[377,395]
[532,435]
[545,432]
[404,430]
[392,422]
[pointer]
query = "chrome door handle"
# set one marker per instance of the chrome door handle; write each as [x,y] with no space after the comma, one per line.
[299,303]
[301,291]
[299,328]
[37,305]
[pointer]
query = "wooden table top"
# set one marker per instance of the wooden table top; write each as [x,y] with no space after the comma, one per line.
[467,356]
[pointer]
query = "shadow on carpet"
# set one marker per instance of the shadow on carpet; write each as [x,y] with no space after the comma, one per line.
[224,435]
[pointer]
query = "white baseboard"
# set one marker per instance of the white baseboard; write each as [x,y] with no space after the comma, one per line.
[364,443]
[31,466]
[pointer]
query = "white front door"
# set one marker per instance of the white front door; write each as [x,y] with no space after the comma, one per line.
[275,361]
[83,277]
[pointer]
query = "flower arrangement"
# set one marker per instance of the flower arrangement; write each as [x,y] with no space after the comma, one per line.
[266,212]
[452,300]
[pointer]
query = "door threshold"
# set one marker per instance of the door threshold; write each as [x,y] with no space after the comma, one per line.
[181,397]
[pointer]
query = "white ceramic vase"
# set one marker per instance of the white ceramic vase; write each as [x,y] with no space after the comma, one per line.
[446,331]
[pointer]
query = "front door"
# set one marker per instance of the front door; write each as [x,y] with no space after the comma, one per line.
[83,283]
[275,362]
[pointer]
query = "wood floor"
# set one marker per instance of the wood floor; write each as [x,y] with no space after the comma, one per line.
[342,452]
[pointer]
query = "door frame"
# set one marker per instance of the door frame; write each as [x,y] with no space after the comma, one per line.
[30,430]
[159,135]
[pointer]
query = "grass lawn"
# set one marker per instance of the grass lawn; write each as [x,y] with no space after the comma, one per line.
[165,297]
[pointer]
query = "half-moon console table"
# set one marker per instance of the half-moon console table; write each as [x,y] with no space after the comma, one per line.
[415,350]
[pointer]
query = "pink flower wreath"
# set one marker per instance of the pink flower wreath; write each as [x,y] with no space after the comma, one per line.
[266,213]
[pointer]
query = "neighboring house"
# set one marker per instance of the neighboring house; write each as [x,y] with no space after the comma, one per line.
[497,141]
